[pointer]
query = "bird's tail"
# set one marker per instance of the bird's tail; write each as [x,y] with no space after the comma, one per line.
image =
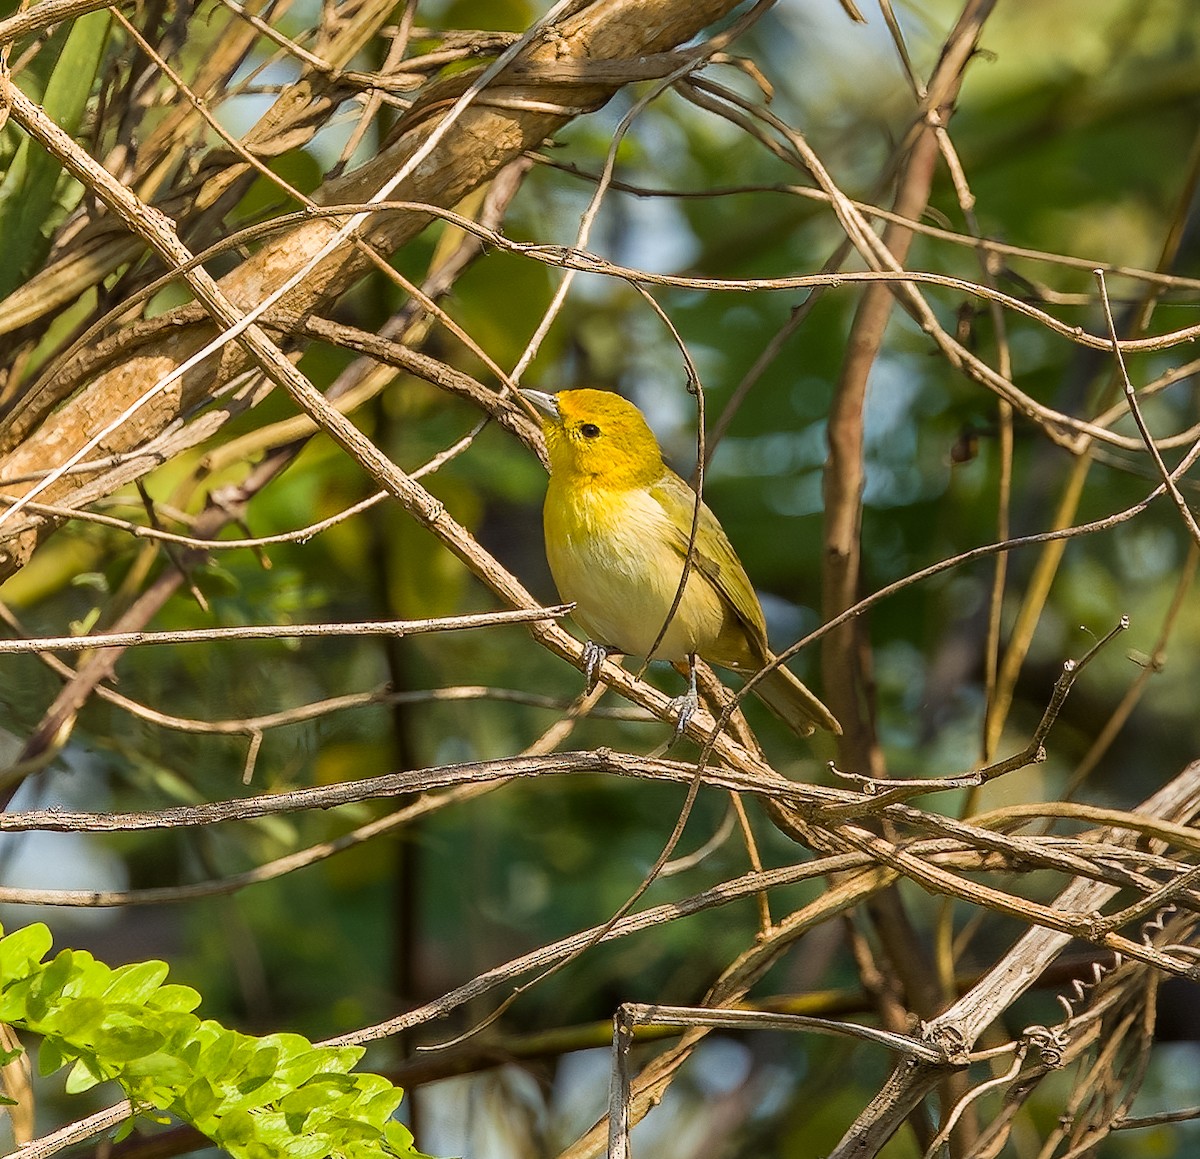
[790,700]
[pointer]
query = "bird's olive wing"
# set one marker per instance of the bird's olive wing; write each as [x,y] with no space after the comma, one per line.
[713,556]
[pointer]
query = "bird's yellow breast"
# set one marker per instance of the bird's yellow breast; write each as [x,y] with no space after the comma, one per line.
[610,551]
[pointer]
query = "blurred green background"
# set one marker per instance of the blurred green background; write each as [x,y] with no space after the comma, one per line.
[1077,130]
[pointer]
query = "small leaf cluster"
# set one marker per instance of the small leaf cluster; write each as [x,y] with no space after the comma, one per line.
[278,1095]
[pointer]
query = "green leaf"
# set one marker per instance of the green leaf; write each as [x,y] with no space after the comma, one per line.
[300,1068]
[178,1030]
[85,1074]
[200,1100]
[399,1138]
[160,1078]
[52,1054]
[260,1067]
[383,1103]
[279,1096]
[22,951]
[28,206]
[281,1132]
[46,992]
[217,1047]
[236,1128]
[299,1104]
[135,983]
[125,1129]
[88,978]
[127,1043]
[258,1150]
[80,1017]
[182,999]
[287,1045]
[14,1001]
[340,1059]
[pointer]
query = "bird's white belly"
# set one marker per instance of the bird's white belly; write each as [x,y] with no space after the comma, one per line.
[613,558]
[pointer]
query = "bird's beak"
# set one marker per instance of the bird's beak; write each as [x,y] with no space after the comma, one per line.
[542,400]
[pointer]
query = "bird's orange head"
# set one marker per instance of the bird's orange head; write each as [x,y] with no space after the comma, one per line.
[598,437]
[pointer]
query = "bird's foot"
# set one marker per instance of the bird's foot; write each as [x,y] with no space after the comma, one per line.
[683,708]
[594,656]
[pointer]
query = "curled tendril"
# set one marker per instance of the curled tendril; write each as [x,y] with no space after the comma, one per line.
[1157,923]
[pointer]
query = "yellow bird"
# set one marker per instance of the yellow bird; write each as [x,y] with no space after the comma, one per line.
[617,522]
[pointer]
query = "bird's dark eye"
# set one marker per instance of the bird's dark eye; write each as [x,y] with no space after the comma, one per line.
[589,431]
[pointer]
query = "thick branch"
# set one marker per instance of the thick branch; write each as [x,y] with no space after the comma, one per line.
[515,116]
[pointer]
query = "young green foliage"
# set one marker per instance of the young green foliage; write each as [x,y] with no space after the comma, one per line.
[35,195]
[278,1095]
